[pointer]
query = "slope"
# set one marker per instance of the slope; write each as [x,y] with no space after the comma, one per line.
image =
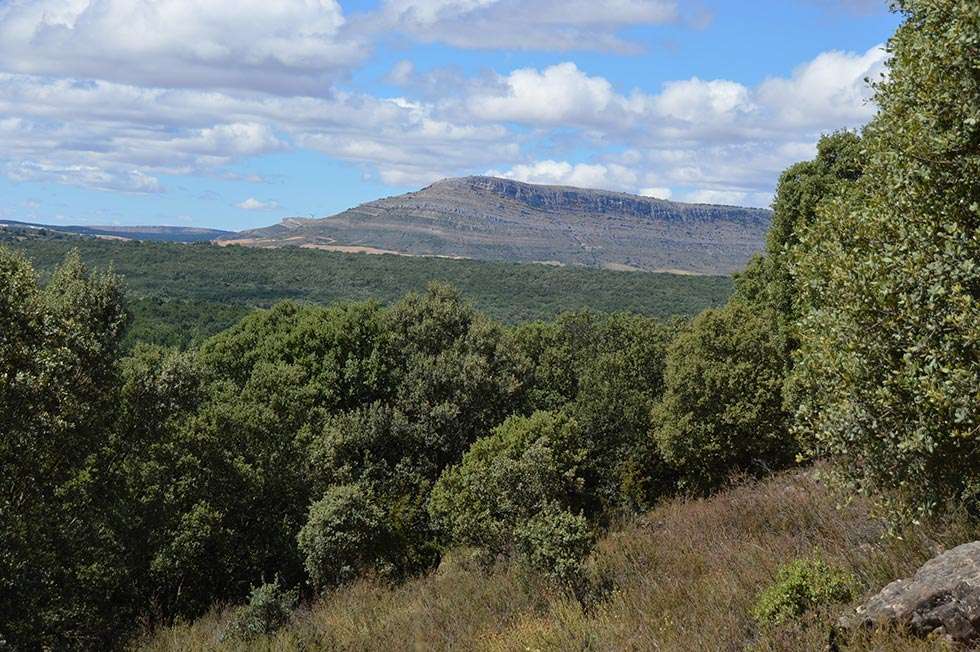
[500,219]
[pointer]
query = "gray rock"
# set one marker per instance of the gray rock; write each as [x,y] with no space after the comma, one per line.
[941,599]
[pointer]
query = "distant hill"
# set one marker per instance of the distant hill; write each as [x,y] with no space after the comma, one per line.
[182,292]
[500,219]
[156,233]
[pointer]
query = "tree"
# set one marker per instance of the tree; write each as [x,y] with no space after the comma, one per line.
[341,537]
[804,188]
[888,372]
[606,371]
[527,464]
[59,559]
[721,410]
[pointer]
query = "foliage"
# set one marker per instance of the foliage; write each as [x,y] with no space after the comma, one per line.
[721,410]
[606,371]
[182,293]
[268,609]
[525,467]
[59,561]
[342,536]
[556,542]
[801,586]
[683,577]
[802,191]
[887,374]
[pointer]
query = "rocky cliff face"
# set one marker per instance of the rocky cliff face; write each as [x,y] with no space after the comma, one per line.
[502,219]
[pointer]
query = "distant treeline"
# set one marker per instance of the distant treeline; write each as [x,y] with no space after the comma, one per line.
[180,293]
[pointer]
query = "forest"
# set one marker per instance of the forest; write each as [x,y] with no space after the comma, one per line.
[315,458]
[179,294]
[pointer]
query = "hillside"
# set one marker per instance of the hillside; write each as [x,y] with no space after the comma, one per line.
[182,292]
[153,233]
[682,577]
[499,219]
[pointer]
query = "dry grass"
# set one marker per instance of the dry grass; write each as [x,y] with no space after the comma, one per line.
[682,578]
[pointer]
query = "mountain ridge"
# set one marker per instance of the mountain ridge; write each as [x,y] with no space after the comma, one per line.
[492,218]
[153,233]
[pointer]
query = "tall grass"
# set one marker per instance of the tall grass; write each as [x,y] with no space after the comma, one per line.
[683,577]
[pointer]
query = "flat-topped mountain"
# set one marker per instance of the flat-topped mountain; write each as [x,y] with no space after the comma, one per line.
[501,219]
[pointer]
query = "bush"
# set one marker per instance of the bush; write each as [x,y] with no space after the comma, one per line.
[556,542]
[801,586]
[722,410]
[269,608]
[527,464]
[343,535]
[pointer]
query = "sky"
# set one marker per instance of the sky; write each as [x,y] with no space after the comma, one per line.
[236,113]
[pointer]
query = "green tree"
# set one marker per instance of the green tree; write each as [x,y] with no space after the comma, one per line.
[343,536]
[607,371]
[59,559]
[452,377]
[888,374]
[527,464]
[768,281]
[721,410]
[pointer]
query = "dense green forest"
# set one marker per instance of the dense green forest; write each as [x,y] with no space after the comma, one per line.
[308,447]
[181,293]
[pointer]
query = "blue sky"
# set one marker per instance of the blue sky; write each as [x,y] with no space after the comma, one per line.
[234,114]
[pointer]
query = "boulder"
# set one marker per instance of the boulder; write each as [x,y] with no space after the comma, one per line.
[941,599]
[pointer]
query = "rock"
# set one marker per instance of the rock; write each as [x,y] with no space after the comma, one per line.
[941,599]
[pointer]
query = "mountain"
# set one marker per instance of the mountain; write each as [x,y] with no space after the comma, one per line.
[501,219]
[159,233]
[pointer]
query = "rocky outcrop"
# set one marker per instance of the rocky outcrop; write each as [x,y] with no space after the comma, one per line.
[488,218]
[941,599]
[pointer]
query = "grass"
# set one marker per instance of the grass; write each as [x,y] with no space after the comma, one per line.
[683,577]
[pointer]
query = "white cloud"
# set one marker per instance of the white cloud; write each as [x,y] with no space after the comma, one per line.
[555,95]
[90,176]
[117,94]
[523,24]
[253,204]
[286,46]
[582,175]
[830,89]
[657,193]
[694,100]
[726,197]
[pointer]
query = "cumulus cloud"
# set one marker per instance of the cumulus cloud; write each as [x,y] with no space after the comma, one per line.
[524,25]
[253,204]
[584,175]
[117,94]
[694,100]
[287,46]
[830,89]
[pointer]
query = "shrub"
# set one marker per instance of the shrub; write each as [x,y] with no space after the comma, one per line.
[343,535]
[722,411]
[801,586]
[506,478]
[556,542]
[269,608]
